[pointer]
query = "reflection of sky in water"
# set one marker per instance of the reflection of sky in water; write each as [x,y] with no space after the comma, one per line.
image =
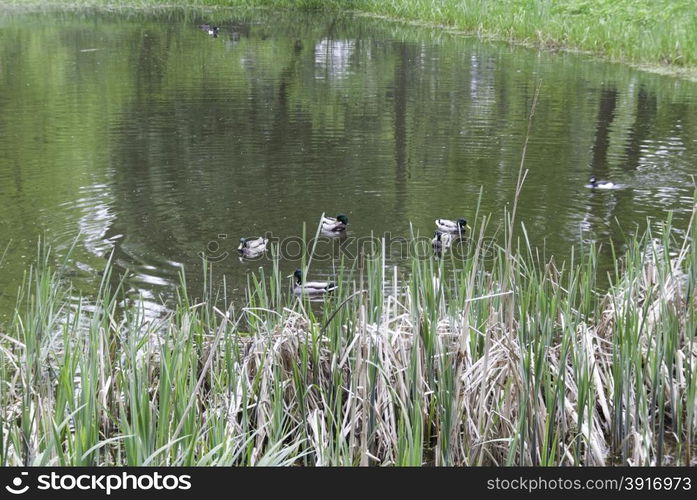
[482,88]
[333,58]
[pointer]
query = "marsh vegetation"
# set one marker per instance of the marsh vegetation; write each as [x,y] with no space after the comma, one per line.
[512,360]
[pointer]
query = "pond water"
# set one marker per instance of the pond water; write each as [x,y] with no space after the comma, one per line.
[137,133]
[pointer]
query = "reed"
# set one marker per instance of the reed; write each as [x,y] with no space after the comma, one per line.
[495,358]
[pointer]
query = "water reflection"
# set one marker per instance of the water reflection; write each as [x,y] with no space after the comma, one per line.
[332,58]
[165,138]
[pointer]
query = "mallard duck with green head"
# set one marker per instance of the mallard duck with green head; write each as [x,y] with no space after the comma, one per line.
[451,226]
[334,224]
[301,287]
[252,247]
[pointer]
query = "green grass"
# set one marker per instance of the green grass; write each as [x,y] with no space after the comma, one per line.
[642,31]
[653,32]
[503,360]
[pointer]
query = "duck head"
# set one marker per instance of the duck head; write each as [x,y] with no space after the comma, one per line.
[342,218]
[462,222]
[593,181]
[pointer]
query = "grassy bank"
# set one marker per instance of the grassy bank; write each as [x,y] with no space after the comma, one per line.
[661,31]
[654,32]
[503,359]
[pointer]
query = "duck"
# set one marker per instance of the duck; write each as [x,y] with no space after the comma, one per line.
[451,226]
[441,241]
[595,183]
[334,224]
[252,247]
[301,287]
[211,30]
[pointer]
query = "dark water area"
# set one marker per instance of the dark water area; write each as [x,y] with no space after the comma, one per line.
[138,134]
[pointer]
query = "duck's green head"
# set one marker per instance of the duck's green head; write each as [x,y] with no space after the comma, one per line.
[462,222]
[342,218]
[298,276]
[243,240]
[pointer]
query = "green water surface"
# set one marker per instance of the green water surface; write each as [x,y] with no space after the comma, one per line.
[139,135]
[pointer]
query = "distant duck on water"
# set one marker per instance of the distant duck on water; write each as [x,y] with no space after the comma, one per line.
[593,182]
[451,226]
[211,30]
[441,241]
[252,247]
[334,224]
[314,288]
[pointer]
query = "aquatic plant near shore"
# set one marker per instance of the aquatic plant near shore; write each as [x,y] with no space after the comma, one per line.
[548,371]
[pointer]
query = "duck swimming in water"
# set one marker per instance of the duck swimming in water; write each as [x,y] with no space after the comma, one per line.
[211,30]
[441,241]
[252,247]
[334,224]
[451,226]
[315,288]
[595,183]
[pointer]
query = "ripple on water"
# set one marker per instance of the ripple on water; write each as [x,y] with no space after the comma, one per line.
[161,145]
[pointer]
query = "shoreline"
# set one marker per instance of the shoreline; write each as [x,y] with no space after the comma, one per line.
[364,8]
